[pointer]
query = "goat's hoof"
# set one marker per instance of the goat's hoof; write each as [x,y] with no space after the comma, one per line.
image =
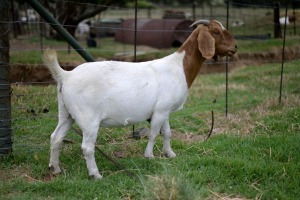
[146,155]
[170,154]
[54,170]
[95,177]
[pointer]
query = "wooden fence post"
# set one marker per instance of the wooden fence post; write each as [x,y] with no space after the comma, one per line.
[5,90]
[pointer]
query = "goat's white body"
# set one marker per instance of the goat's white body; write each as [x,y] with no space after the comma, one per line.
[123,93]
[111,94]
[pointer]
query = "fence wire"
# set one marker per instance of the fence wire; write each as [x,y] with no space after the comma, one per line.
[34,103]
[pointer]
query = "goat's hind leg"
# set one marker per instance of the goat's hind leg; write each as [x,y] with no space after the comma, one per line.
[88,148]
[89,124]
[64,124]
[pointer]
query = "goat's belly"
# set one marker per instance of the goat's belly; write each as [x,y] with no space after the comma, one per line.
[125,119]
[109,123]
[117,114]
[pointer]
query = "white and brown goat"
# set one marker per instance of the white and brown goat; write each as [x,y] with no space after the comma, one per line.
[113,94]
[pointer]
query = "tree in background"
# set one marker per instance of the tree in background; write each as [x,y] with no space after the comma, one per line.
[71,13]
[241,3]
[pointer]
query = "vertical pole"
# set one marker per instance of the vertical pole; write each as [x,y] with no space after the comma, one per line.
[15,28]
[35,4]
[203,10]
[41,34]
[5,90]
[277,28]
[149,12]
[227,26]
[135,31]
[294,15]
[283,52]
[210,11]
[194,11]
[135,35]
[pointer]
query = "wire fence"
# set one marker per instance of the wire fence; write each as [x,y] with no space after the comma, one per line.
[34,103]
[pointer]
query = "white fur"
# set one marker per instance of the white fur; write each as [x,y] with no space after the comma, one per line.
[111,94]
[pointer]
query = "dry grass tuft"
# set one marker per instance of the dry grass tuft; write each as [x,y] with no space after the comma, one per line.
[167,187]
[163,187]
[240,123]
[217,196]
[244,121]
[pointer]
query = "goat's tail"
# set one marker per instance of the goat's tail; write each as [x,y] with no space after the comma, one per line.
[50,60]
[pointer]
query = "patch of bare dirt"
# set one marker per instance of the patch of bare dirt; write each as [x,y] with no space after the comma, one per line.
[34,73]
[38,73]
[188,137]
[23,172]
[185,137]
[272,56]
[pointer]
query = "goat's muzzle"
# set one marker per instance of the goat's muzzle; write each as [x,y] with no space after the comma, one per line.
[229,52]
[232,51]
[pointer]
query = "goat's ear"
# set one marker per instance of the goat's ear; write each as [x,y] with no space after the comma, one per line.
[206,43]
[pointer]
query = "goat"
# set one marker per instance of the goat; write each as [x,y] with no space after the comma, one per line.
[113,94]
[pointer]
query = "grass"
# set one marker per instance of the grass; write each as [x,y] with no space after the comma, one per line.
[257,21]
[248,46]
[253,153]
[109,49]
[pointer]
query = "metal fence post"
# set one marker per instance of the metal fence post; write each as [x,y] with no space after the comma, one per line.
[283,53]
[277,27]
[5,91]
[227,89]
[62,32]
[194,10]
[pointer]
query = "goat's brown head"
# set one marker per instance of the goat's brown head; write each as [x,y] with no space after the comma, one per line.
[214,40]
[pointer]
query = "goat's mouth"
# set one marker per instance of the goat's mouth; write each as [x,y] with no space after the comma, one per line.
[229,53]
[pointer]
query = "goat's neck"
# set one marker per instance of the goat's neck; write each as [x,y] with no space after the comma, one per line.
[193,59]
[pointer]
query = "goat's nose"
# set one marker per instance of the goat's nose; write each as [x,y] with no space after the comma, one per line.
[235,46]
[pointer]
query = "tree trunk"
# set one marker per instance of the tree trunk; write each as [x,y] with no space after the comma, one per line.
[70,14]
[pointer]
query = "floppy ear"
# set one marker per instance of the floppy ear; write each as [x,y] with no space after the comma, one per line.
[206,43]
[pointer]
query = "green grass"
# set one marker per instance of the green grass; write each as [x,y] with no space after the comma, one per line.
[257,21]
[253,153]
[109,49]
[250,46]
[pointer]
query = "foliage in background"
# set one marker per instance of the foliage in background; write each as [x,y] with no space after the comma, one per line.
[246,3]
[71,13]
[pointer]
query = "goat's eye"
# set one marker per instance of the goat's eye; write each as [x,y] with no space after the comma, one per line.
[216,33]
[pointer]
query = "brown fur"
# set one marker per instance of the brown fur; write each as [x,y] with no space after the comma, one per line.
[211,40]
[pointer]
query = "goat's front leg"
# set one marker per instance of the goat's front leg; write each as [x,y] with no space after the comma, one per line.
[166,131]
[88,147]
[156,123]
[56,139]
